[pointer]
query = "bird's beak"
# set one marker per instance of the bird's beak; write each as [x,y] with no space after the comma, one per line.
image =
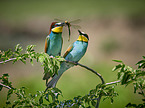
[80,32]
[63,24]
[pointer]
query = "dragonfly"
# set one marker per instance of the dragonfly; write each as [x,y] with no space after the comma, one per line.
[70,24]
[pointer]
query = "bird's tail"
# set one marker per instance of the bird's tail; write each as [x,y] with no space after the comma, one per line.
[64,66]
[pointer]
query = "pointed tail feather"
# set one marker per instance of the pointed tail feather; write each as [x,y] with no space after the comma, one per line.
[53,82]
[46,77]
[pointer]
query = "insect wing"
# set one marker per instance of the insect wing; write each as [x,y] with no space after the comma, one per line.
[59,20]
[75,21]
[76,26]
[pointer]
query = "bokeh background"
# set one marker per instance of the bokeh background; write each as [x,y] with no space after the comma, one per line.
[116,30]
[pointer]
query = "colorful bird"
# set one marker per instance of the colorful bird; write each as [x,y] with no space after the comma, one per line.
[53,42]
[74,53]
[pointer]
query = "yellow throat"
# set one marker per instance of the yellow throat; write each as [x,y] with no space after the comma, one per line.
[57,29]
[82,38]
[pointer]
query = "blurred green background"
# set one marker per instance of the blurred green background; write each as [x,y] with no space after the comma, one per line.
[116,30]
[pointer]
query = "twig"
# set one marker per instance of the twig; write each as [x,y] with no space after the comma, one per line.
[5,86]
[98,102]
[113,82]
[11,59]
[8,87]
[75,63]
[99,75]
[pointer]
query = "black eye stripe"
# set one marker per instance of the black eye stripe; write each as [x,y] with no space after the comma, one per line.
[86,36]
[53,26]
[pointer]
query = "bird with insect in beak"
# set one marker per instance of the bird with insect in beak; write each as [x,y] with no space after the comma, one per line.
[74,53]
[53,42]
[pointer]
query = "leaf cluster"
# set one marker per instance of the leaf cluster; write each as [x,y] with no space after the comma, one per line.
[50,64]
[127,75]
[50,98]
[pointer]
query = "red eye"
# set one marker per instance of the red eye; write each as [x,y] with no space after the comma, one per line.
[55,25]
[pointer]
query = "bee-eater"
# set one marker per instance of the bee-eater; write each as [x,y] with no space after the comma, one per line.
[53,42]
[74,53]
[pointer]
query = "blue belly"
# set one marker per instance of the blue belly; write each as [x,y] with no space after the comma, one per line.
[55,45]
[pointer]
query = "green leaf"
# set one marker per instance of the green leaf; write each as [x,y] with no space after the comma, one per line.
[123,68]
[119,61]
[31,61]
[131,105]
[23,61]
[17,47]
[116,67]
[141,66]
[41,100]
[93,103]
[8,102]
[141,61]
[119,75]
[30,48]
[53,61]
[57,90]
[41,59]
[1,87]
[112,100]
[143,57]
[9,93]
[125,78]
[60,58]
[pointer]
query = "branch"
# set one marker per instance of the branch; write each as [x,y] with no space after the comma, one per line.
[8,87]
[5,86]
[99,75]
[113,82]
[11,59]
[98,100]
[75,63]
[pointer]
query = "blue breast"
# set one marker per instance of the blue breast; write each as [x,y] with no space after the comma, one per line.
[78,51]
[55,44]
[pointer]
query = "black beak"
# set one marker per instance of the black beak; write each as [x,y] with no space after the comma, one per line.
[80,32]
[63,24]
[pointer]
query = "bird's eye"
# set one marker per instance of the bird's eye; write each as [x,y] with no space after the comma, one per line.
[52,26]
